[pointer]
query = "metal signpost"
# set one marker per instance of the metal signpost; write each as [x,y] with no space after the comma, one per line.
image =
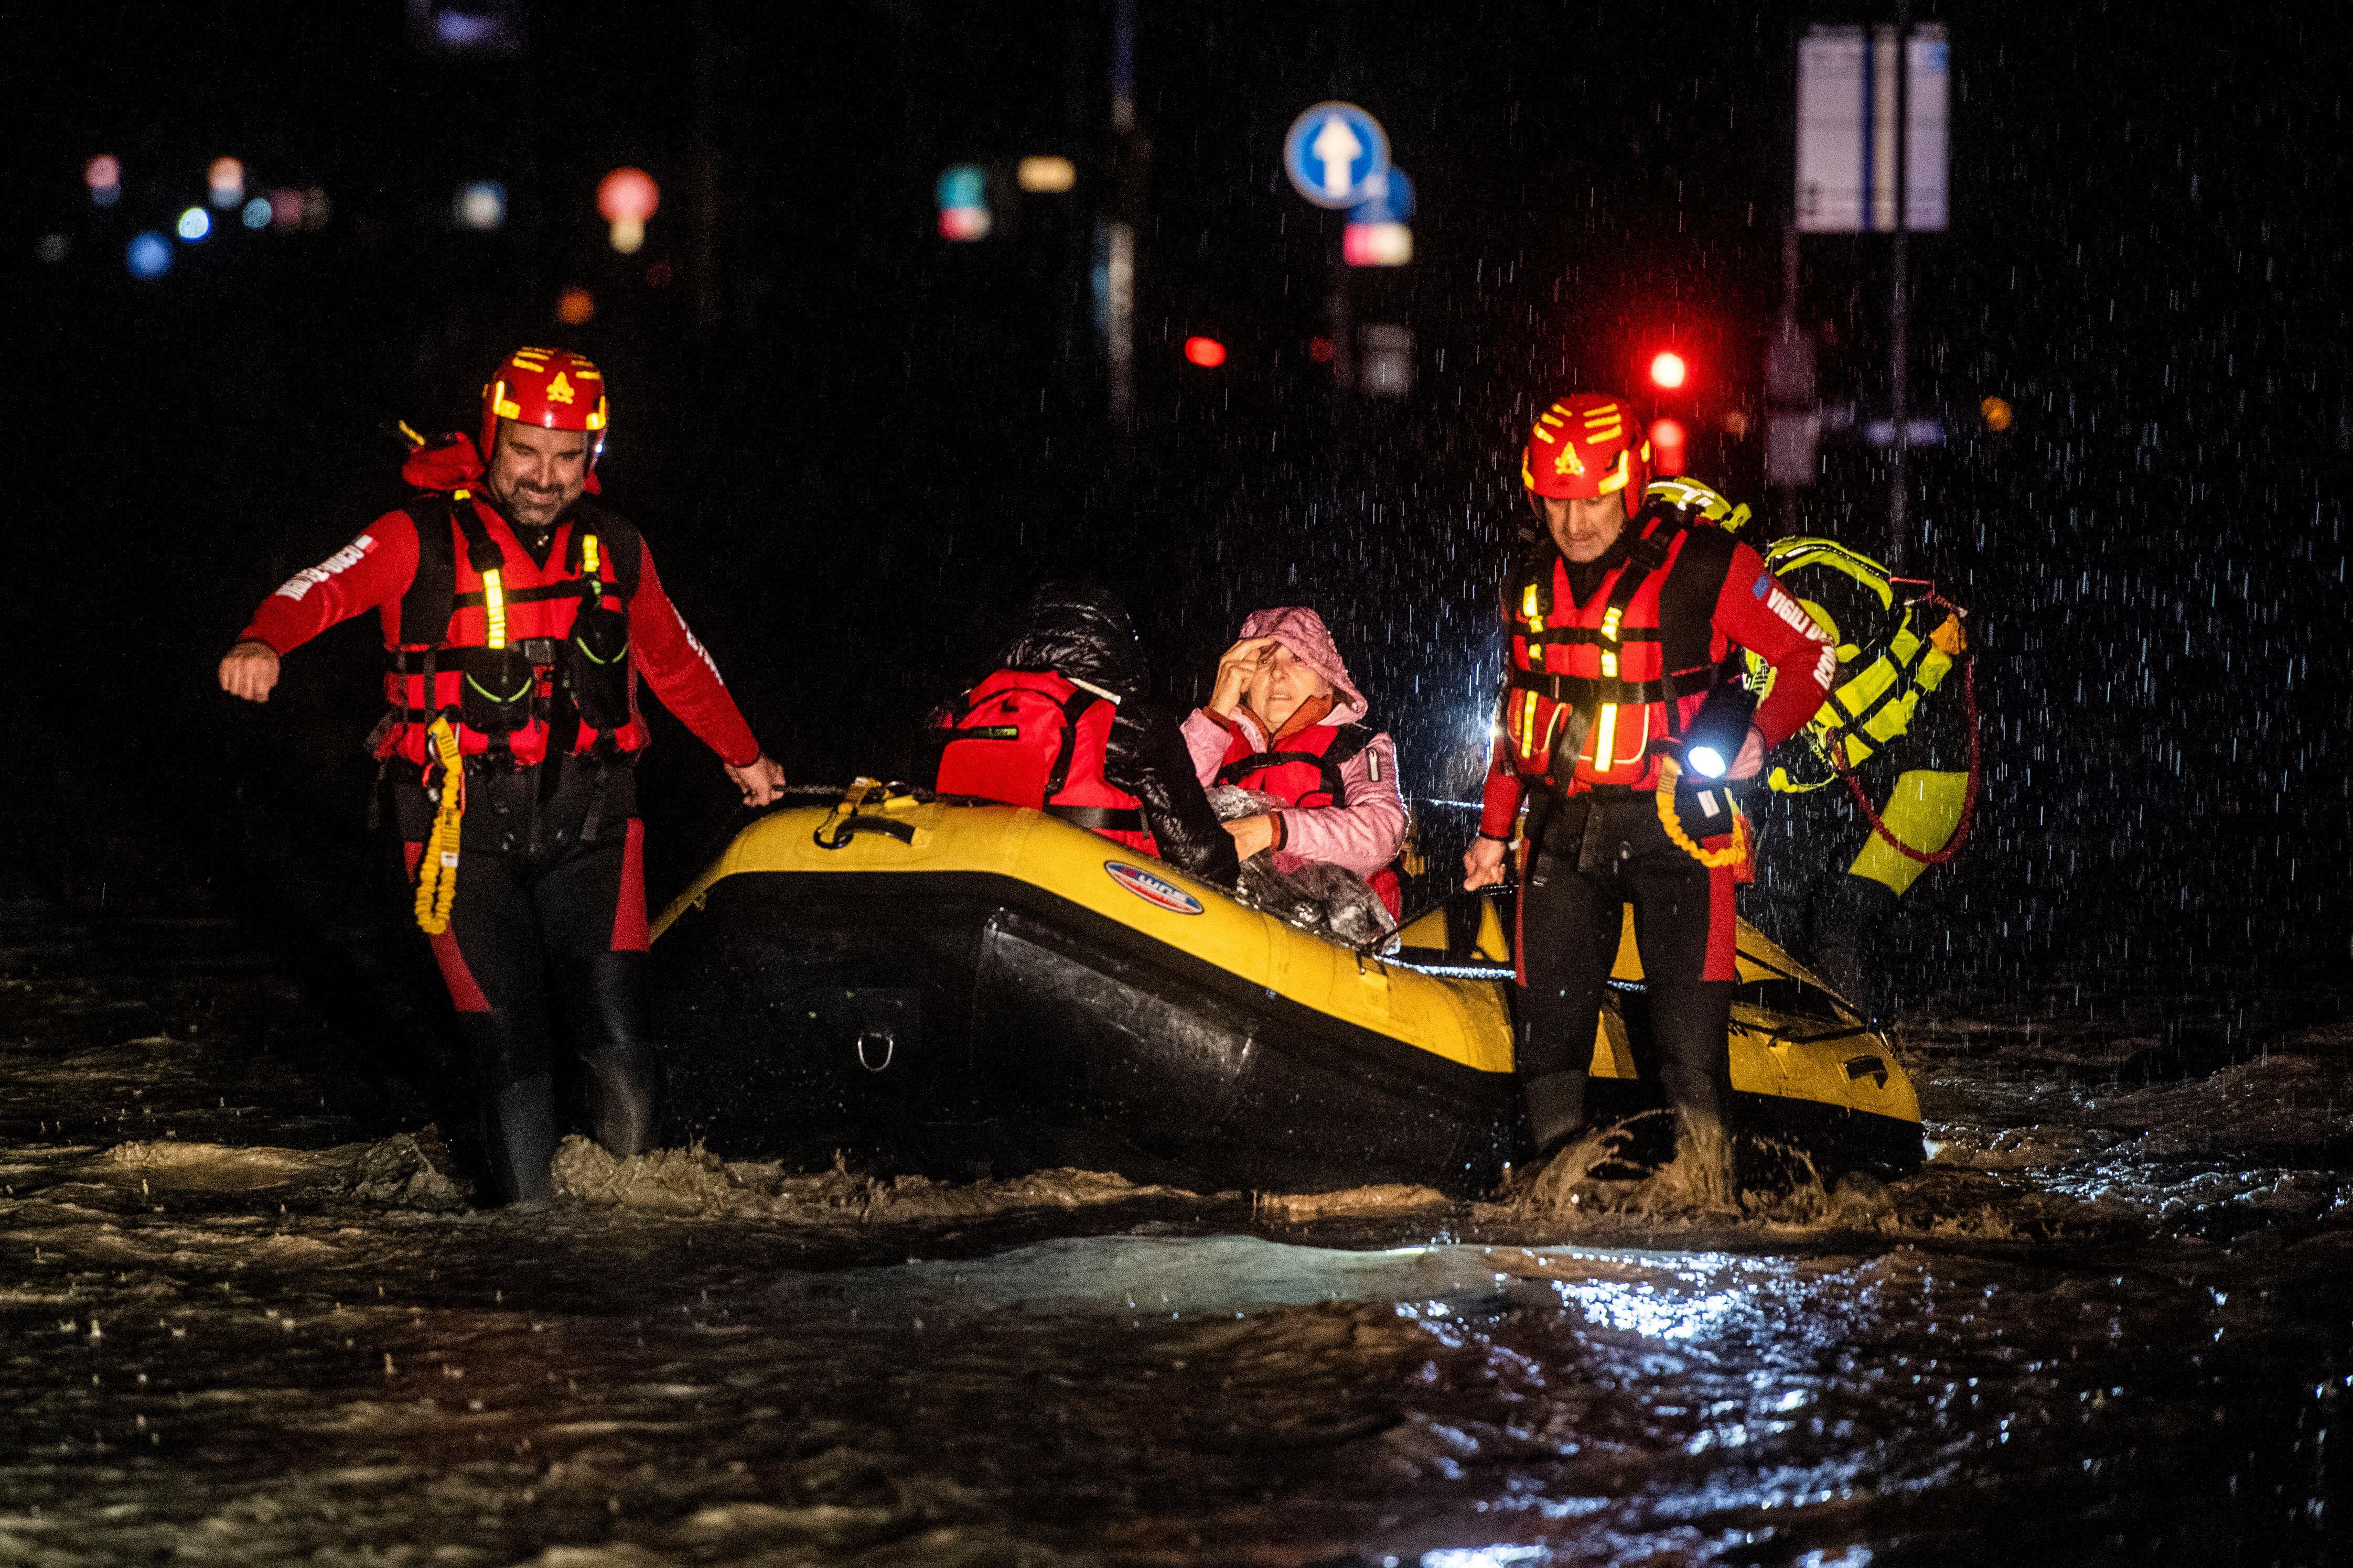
[1339,157]
[1871,158]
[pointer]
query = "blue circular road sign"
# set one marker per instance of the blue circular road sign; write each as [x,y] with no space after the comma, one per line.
[1336,156]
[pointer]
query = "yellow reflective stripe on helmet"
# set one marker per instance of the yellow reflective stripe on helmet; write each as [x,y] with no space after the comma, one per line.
[494,602]
[1619,473]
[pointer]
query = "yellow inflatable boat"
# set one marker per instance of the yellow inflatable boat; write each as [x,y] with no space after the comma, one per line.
[960,990]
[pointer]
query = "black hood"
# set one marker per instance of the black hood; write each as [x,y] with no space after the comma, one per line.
[1080,631]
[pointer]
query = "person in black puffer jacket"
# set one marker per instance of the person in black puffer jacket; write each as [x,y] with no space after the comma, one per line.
[1066,724]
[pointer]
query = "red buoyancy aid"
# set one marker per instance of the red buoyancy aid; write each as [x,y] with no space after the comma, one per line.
[1304,773]
[1034,738]
[520,656]
[1600,681]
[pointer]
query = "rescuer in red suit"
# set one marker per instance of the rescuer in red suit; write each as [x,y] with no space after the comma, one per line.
[1619,626]
[518,615]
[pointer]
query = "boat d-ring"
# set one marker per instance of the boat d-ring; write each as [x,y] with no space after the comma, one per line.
[890,1046]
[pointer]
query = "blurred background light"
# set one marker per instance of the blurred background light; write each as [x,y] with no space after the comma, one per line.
[1047,174]
[1206,352]
[194,224]
[627,193]
[225,182]
[1997,414]
[1377,245]
[1668,370]
[316,208]
[257,213]
[1666,447]
[963,185]
[965,223]
[103,175]
[53,248]
[1385,359]
[1320,350]
[487,27]
[149,255]
[285,209]
[481,205]
[575,306]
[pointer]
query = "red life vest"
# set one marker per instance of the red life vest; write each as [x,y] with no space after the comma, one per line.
[524,659]
[1031,737]
[1304,774]
[1592,685]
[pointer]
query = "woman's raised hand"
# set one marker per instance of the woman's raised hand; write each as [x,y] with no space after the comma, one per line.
[1236,670]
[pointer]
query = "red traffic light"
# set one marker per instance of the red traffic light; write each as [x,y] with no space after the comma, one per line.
[1206,352]
[1668,370]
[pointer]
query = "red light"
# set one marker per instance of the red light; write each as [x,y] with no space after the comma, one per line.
[1667,371]
[1320,350]
[627,193]
[1666,447]
[1206,352]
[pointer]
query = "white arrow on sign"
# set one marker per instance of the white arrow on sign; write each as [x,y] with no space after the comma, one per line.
[1336,147]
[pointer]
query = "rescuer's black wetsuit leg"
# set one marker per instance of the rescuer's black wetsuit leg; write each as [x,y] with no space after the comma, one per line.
[1589,862]
[491,961]
[526,929]
[1569,934]
[592,913]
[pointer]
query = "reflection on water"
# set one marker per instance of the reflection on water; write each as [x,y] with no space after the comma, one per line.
[240,1325]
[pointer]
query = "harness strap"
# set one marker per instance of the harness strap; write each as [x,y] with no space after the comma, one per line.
[1100,819]
[1350,739]
[1074,708]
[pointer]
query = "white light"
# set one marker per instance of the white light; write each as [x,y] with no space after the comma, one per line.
[628,235]
[482,205]
[53,248]
[194,224]
[1705,760]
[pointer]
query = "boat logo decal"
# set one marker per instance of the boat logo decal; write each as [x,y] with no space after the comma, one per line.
[1152,889]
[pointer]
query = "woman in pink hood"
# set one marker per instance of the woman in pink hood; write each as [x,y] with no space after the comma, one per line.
[1285,720]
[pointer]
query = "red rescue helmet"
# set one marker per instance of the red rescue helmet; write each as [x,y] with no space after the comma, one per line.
[552,388]
[1587,445]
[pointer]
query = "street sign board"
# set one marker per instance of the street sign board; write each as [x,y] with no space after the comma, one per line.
[1336,156]
[1846,130]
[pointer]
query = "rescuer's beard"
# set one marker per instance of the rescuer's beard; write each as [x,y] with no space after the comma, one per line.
[534,509]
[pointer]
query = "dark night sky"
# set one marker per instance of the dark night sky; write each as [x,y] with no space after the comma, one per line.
[882,442]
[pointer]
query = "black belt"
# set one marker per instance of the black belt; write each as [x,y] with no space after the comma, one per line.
[1099,818]
[411,661]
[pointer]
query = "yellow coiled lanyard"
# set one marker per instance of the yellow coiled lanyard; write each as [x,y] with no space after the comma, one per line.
[1732,854]
[437,870]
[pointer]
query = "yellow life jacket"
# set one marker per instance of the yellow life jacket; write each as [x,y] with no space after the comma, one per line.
[1881,686]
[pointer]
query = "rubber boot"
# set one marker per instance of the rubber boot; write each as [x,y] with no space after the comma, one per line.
[622,1094]
[1556,1106]
[520,1139]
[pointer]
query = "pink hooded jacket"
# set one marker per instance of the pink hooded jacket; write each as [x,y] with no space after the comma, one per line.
[1363,835]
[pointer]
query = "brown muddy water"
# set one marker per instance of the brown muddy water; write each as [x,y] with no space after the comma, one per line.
[247,1315]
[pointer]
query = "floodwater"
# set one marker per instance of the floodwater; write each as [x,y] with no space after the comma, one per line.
[248,1316]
